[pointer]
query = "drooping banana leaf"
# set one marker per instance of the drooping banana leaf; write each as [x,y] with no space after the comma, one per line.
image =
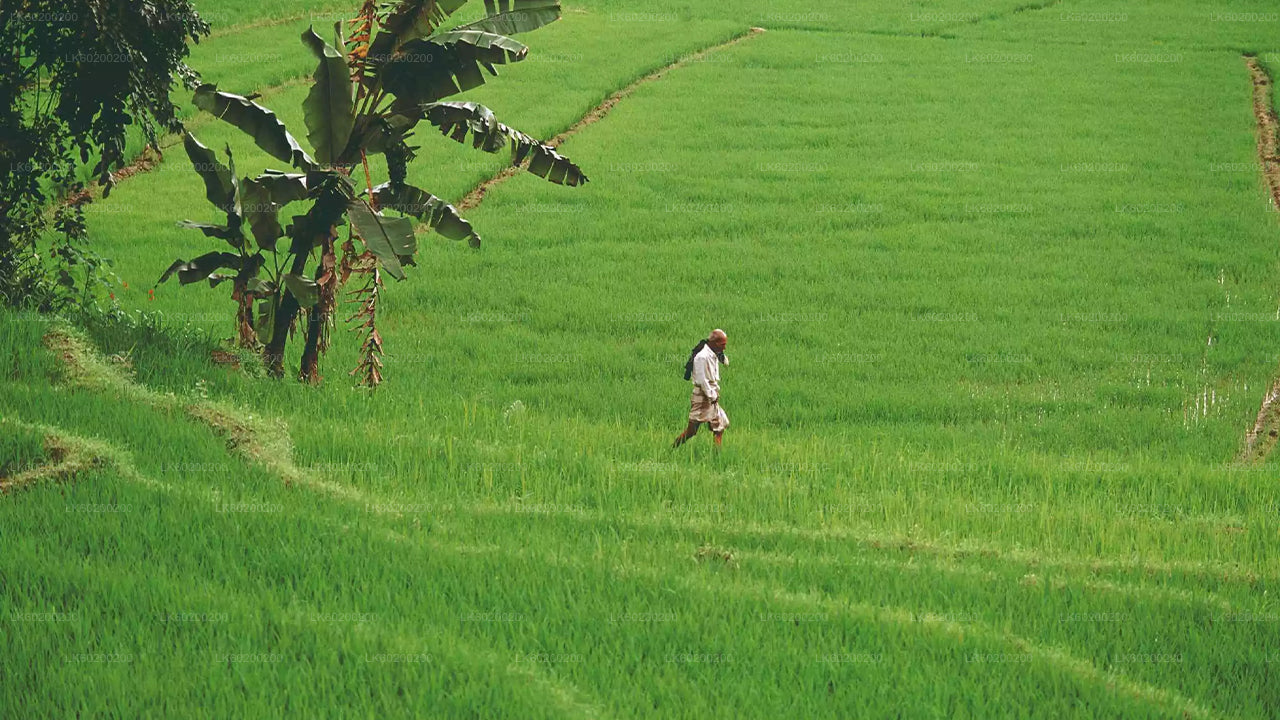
[456,120]
[329,108]
[258,122]
[202,267]
[410,20]
[282,188]
[507,18]
[232,235]
[426,71]
[249,267]
[219,182]
[260,287]
[265,324]
[390,239]
[486,47]
[428,209]
[262,212]
[305,290]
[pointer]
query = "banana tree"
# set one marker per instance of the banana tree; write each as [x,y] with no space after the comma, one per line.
[369,92]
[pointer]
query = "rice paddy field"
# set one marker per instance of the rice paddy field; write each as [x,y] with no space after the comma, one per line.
[1002,287]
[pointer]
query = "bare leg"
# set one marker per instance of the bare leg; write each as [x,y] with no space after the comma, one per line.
[688,433]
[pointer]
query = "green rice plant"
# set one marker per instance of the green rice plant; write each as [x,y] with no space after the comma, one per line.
[21,448]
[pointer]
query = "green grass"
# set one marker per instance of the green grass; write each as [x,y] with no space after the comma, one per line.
[21,449]
[1001,301]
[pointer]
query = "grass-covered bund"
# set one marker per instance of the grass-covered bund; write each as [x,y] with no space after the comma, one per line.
[1001,287]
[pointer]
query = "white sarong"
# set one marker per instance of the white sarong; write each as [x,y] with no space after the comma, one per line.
[703,410]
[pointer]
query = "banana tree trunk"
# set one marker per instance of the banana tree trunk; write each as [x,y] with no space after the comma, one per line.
[273,353]
[309,372]
[320,316]
[325,214]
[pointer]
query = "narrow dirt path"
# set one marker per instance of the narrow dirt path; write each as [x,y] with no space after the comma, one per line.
[598,113]
[66,459]
[1268,125]
[1262,437]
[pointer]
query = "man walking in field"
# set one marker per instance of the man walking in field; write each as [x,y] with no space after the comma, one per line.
[703,369]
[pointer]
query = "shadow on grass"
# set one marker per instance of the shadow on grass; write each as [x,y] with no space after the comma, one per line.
[164,354]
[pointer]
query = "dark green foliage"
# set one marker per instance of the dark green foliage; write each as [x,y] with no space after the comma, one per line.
[75,74]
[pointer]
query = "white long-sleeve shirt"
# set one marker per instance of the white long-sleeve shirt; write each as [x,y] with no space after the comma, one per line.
[706,373]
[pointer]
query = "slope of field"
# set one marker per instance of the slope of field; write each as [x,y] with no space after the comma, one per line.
[1001,300]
